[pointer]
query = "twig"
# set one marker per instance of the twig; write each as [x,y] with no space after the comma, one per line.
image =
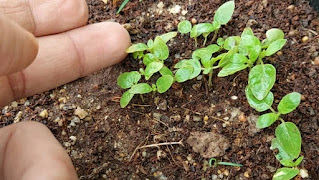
[218,119]
[162,144]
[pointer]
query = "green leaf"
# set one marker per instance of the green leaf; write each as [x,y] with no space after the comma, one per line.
[166,71]
[275,46]
[128,79]
[225,12]
[239,59]
[196,68]
[184,27]
[290,163]
[183,74]
[207,70]
[227,58]
[149,58]
[251,46]
[122,6]
[285,174]
[266,120]
[126,98]
[247,31]
[231,69]
[231,42]
[152,68]
[150,44]
[220,41]
[213,48]
[137,47]
[141,88]
[164,83]
[204,55]
[288,141]
[259,105]
[201,28]
[168,36]
[160,49]
[261,79]
[274,34]
[289,103]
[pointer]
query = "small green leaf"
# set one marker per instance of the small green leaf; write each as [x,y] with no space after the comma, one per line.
[266,120]
[290,163]
[201,28]
[164,83]
[289,103]
[231,42]
[247,31]
[183,74]
[149,58]
[150,44]
[207,70]
[285,174]
[213,48]
[227,58]
[261,79]
[251,46]
[288,141]
[204,55]
[160,49]
[152,68]
[128,79]
[258,105]
[137,47]
[274,34]
[125,99]
[225,12]
[220,41]
[184,27]
[166,71]
[196,68]
[239,59]
[168,36]
[141,88]
[230,69]
[275,46]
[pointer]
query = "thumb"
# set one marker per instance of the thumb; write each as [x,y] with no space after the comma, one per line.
[18,47]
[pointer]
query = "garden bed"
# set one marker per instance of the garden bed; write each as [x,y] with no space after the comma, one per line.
[109,138]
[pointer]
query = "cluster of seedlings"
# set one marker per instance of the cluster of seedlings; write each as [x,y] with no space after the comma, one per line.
[230,55]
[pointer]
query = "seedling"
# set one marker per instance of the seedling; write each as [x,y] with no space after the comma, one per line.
[216,163]
[222,16]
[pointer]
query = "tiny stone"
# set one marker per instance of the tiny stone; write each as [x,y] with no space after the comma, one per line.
[206,118]
[226,172]
[144,154]
[14,104]
[63,133]
[292,33]
[80,113]
[194,21]
[316,61]
[214,177]
[196,118]
[62,99]
[246,174]
[291,7]
[44,114]
[199,78]
[218,114]
[184,12]
[304,173]
[303,98]
[98,107]
[187,118]
[295,18]
[73,138]
[226,118]
[27,103]
[18,117]
[279,53]
[305,39]
[234,97]
[67,144]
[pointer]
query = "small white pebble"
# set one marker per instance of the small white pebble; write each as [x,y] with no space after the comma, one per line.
[304,173]
[67,144]
[234,97]
[184,12]
[18,117]
[73,138]
[14,104]
[80,113]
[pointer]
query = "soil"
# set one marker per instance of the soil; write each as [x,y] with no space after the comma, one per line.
[109,139]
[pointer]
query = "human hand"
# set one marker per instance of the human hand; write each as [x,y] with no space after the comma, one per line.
[47,34]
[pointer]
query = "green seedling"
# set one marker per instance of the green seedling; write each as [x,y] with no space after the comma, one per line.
[285,173]
[123,5]
[216,163]
[222,16]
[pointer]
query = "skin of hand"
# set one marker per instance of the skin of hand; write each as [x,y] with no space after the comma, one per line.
[45,44]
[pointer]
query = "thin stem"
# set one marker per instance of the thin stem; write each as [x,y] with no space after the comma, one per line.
[210,84]
[215,35]
[205,41]
[195,41]
[282,121]
[272,110]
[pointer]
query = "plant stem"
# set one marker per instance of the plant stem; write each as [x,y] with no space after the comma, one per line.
[195,38]
[282,121]
[215,35]
[210,84]
[205,41]
[272,110]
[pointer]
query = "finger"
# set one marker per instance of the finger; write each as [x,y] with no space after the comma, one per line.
[29,151]
[18,47]
[43,17]
[65,57]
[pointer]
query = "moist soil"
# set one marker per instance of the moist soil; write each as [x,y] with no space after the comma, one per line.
[109,139]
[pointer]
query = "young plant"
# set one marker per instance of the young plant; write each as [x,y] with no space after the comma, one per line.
[216,163]
[222,16]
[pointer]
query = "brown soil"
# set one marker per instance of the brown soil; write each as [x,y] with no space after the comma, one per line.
[107,139]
